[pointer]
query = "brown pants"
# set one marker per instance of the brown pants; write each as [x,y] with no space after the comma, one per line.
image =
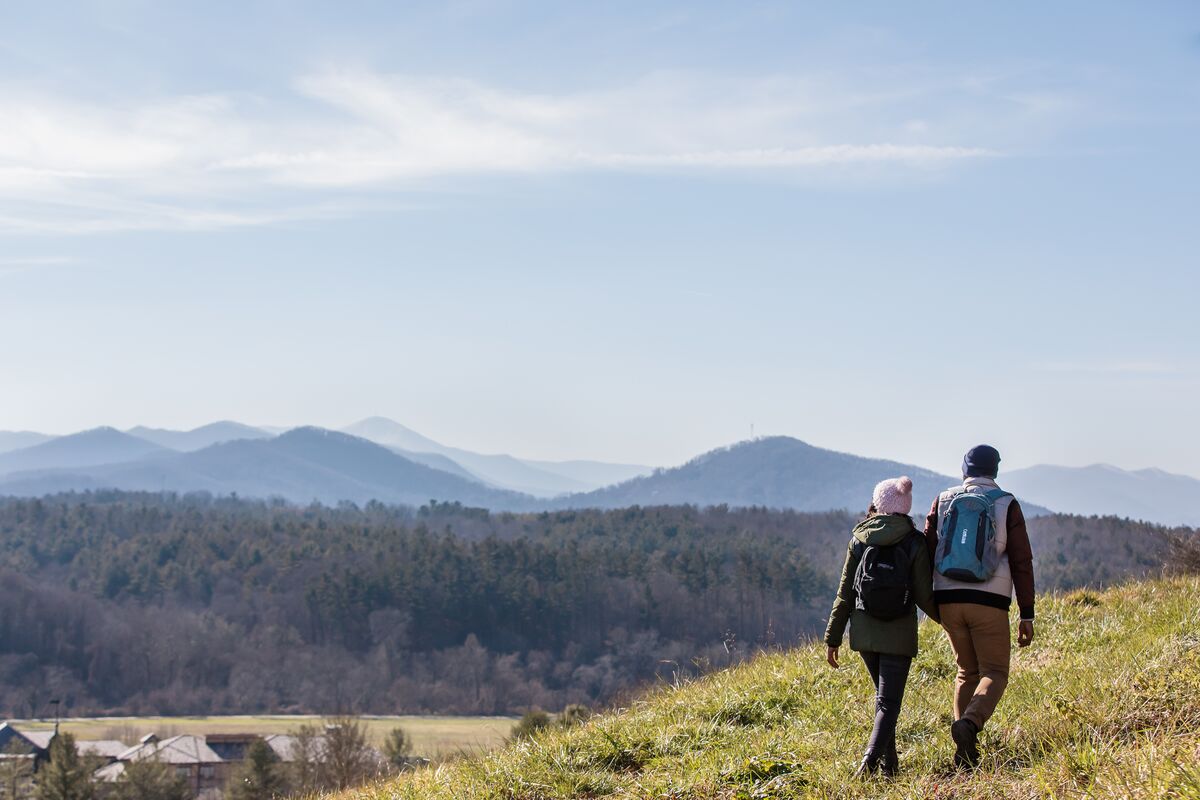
[982,643]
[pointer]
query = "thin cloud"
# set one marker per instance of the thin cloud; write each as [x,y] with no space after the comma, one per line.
[1110,367]
[11,264]
[78,167]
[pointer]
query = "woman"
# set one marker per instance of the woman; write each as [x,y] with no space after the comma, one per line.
[886,577]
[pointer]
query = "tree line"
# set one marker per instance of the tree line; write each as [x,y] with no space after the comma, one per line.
[145,603]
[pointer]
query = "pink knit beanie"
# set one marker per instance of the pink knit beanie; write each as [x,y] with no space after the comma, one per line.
[893,496]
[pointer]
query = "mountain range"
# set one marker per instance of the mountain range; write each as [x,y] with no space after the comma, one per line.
[380,459]
[777,472]
[1146,494]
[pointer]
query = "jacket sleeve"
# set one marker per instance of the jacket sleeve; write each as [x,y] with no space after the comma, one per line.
[844,603]
[931,531]
[922,583]
[1020,559]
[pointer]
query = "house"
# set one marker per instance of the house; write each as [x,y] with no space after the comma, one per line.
[106,750]
[20,756]
[33,745]
[36,745]
[205,762]
[189,756]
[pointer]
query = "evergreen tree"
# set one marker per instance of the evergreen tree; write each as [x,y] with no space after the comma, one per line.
[258,777]
[65,776]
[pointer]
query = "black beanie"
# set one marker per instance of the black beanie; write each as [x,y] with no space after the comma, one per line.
[981,461]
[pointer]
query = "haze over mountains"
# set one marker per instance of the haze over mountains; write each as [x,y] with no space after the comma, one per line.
[380,459]
[1146,494]
[539,478]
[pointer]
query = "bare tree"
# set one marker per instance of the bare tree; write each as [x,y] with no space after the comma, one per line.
[335,757]
[349,760]
[1184,553]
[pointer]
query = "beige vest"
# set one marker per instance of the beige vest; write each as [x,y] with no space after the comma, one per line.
[1001,582]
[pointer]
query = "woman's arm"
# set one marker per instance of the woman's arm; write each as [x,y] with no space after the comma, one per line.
[844,603]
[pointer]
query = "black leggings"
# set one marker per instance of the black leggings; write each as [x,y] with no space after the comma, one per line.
[889,673]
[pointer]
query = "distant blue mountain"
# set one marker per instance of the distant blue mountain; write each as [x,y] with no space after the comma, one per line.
[302,465]
[85,449]
[15,440]
[199,438]
[539,478]
[776,472]
[1147,494]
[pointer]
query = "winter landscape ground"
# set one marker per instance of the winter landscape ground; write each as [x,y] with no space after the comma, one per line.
[1105,704]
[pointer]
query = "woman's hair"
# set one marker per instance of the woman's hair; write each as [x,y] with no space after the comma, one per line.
[871,510]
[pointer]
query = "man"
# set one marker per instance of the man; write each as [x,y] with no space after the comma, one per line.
[974,612]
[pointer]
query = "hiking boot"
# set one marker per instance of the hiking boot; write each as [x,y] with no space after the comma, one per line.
[889,764]
[868,767]
[965,735]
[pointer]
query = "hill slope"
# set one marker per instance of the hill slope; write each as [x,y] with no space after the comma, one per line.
[1148,494]
[777,472]
[1105,704]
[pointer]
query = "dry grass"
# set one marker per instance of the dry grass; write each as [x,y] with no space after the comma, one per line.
[1105,704]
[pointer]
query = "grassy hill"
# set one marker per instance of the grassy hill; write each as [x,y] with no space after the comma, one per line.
[1105,704]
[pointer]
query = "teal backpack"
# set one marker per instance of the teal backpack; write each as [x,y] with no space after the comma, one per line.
[966,547]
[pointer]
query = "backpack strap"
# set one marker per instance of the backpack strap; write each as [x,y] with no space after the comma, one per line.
[858,547]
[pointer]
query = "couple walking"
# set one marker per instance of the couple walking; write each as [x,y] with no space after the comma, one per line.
[962,573]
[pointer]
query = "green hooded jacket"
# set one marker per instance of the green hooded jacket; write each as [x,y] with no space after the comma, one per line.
[867,633]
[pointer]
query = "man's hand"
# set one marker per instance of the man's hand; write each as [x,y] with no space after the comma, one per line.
[1025,633]
[831,657]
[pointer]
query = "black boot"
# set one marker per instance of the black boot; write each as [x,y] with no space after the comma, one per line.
[889,764]
[965,736]
[868,767]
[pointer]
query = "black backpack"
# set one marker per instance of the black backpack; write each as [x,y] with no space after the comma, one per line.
[883,580]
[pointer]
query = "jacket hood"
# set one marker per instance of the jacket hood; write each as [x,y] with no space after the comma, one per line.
[882,530]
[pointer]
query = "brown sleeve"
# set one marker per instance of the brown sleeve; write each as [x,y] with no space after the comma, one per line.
[931,522]
[1020,559]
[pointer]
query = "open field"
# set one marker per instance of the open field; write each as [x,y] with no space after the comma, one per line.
[1105,704]
[433,737]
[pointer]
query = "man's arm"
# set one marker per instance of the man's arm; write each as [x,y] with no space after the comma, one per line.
[931,523]
[922,583]
[1020,559]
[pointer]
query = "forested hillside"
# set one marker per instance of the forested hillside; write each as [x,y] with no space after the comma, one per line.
[162,604]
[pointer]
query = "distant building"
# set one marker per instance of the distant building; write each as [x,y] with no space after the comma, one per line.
[34,744]
[107,749]
[190,757]
[205,762]
[34,747]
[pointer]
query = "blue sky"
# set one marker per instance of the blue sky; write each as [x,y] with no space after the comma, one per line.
[619,230]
